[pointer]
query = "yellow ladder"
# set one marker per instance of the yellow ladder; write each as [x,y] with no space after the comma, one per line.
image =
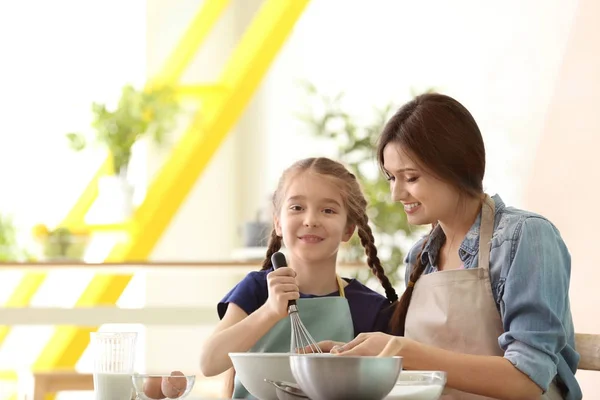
[224,103]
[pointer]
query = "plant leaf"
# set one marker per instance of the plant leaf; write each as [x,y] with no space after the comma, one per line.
[77,141]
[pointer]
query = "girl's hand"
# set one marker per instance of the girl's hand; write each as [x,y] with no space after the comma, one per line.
[374,344]
[282,288]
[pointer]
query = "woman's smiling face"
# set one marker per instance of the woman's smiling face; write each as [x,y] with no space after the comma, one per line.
[426,198]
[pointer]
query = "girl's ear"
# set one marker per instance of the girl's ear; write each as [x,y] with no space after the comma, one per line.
[277,226]
[348,233]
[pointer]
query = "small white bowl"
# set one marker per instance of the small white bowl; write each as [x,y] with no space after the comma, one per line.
[253,368]
[418,385]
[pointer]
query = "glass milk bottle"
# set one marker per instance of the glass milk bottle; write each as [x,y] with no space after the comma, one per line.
[114,354]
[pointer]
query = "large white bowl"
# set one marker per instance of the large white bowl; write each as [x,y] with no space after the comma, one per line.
[418,385]
[253,368]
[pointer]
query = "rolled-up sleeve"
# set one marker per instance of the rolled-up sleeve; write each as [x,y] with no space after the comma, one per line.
[535,300]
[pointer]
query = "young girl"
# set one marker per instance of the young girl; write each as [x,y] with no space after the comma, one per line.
[318,205]
[487,296]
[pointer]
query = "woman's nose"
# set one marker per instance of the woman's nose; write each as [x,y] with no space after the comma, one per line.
[398,192]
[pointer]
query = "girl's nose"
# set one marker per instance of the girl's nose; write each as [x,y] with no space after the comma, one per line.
[311,221]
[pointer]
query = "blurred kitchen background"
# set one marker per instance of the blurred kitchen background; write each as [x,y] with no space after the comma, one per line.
[236,91]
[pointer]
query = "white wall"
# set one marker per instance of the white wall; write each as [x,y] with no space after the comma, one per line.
[563,168]
[53,66]
[208,213]
[499,59]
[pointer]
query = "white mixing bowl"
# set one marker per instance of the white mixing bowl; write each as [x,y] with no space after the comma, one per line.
[253,368]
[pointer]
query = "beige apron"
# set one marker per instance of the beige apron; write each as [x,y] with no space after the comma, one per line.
[455,309]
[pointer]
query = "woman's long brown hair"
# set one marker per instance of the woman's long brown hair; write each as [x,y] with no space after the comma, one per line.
[444,140]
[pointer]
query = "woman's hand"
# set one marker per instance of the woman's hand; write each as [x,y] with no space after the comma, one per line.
[375,344]
[365,344]
[282,288]
[326,346]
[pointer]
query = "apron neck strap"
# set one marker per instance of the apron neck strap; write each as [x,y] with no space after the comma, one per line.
[486,231]
[340,286]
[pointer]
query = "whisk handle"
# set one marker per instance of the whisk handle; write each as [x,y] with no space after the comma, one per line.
[278,260]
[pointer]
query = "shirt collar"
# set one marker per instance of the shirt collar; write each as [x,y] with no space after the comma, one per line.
[468,247]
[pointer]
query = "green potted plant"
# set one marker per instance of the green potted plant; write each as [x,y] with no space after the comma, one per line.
[10,250]
[139,113]
[62,244]
[356,142]
[8,239]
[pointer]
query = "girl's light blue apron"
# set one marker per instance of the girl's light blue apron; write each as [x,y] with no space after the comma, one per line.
[326,318]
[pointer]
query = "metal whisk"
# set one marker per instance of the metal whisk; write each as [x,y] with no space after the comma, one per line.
[301,342]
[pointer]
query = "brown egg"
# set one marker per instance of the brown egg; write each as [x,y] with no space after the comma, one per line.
[152,388]
[174,386]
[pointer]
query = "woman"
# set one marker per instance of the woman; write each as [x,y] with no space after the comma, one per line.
[487,296]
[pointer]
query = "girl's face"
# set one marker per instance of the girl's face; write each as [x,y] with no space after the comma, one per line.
[313,219]
[426,198]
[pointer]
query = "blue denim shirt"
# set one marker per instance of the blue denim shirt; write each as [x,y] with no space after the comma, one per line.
[530,270]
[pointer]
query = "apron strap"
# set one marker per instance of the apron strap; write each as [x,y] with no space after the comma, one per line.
[340,286]
[486,230]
